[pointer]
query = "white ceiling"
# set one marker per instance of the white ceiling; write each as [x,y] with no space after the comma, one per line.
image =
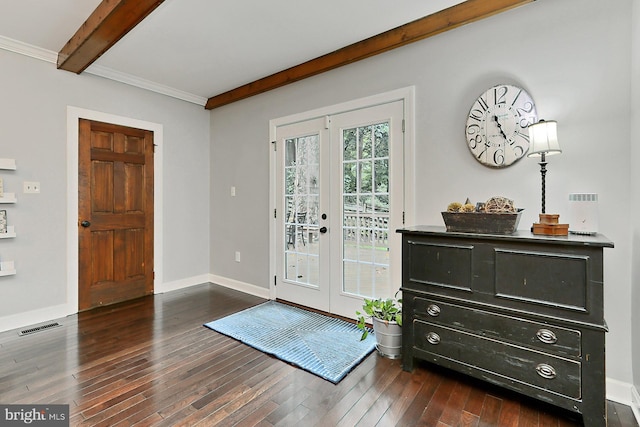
[207,47]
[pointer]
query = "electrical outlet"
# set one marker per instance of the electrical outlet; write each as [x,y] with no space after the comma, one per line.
[237,256]
[233,191]
[31,187]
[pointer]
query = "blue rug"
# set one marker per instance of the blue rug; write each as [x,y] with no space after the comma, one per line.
[322,345]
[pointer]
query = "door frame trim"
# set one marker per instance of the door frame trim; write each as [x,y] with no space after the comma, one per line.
[407,95]
[74,114]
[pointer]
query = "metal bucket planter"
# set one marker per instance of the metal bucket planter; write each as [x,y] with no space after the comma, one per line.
[388,338]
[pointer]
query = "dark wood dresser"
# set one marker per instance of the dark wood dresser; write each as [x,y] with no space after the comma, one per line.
[521,311]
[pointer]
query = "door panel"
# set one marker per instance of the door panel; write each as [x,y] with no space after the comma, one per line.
[302,249]
[367,173]
[115,226]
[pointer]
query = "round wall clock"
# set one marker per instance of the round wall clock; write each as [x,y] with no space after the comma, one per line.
[496,130]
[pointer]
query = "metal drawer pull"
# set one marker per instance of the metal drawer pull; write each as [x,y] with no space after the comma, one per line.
[433,338]
[546,371]
[547,336]
[433,310]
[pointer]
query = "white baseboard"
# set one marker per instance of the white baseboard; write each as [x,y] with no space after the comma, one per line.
[619,391]
[635,403]
[240,286]
[181,284]
[33,317]
[624,393]
[237,285]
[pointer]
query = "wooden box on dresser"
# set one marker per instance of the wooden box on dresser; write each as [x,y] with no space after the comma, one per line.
[521,311]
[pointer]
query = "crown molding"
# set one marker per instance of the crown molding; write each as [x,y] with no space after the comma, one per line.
[111,74]
[28,50]
[98,70]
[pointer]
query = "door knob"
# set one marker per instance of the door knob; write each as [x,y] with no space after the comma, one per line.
[323,230]
[85,223]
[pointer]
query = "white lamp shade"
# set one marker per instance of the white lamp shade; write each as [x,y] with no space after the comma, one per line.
[543,139]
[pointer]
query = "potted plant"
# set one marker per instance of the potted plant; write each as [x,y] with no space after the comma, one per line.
[386,316]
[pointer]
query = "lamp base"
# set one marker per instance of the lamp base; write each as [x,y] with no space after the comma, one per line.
[548,226]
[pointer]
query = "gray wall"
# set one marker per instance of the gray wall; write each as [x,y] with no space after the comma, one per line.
[573,56]
[635,195]
[33,130]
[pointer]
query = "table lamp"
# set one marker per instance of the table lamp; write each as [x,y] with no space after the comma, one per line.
[543,141]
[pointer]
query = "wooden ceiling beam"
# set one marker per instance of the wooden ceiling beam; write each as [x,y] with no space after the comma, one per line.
[108,23]
[439,22]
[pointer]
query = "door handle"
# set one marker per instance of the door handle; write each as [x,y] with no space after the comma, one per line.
[85,223]
[323,230]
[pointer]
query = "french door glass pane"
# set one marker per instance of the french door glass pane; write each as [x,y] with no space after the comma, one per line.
[365,210]
[301,197]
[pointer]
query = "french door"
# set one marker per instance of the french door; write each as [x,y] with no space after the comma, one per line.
[339,198]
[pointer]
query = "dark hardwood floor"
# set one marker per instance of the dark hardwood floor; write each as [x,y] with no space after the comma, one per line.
[151,362]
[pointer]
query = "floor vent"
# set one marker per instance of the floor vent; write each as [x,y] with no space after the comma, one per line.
[39,328]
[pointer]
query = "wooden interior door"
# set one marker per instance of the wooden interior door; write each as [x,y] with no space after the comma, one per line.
[115,218]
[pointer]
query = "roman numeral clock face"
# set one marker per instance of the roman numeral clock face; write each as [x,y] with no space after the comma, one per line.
[496,130]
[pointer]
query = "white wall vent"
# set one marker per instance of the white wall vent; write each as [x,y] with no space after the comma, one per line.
[583,213]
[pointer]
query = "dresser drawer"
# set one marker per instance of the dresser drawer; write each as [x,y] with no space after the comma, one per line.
[510,362]
[547,338]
